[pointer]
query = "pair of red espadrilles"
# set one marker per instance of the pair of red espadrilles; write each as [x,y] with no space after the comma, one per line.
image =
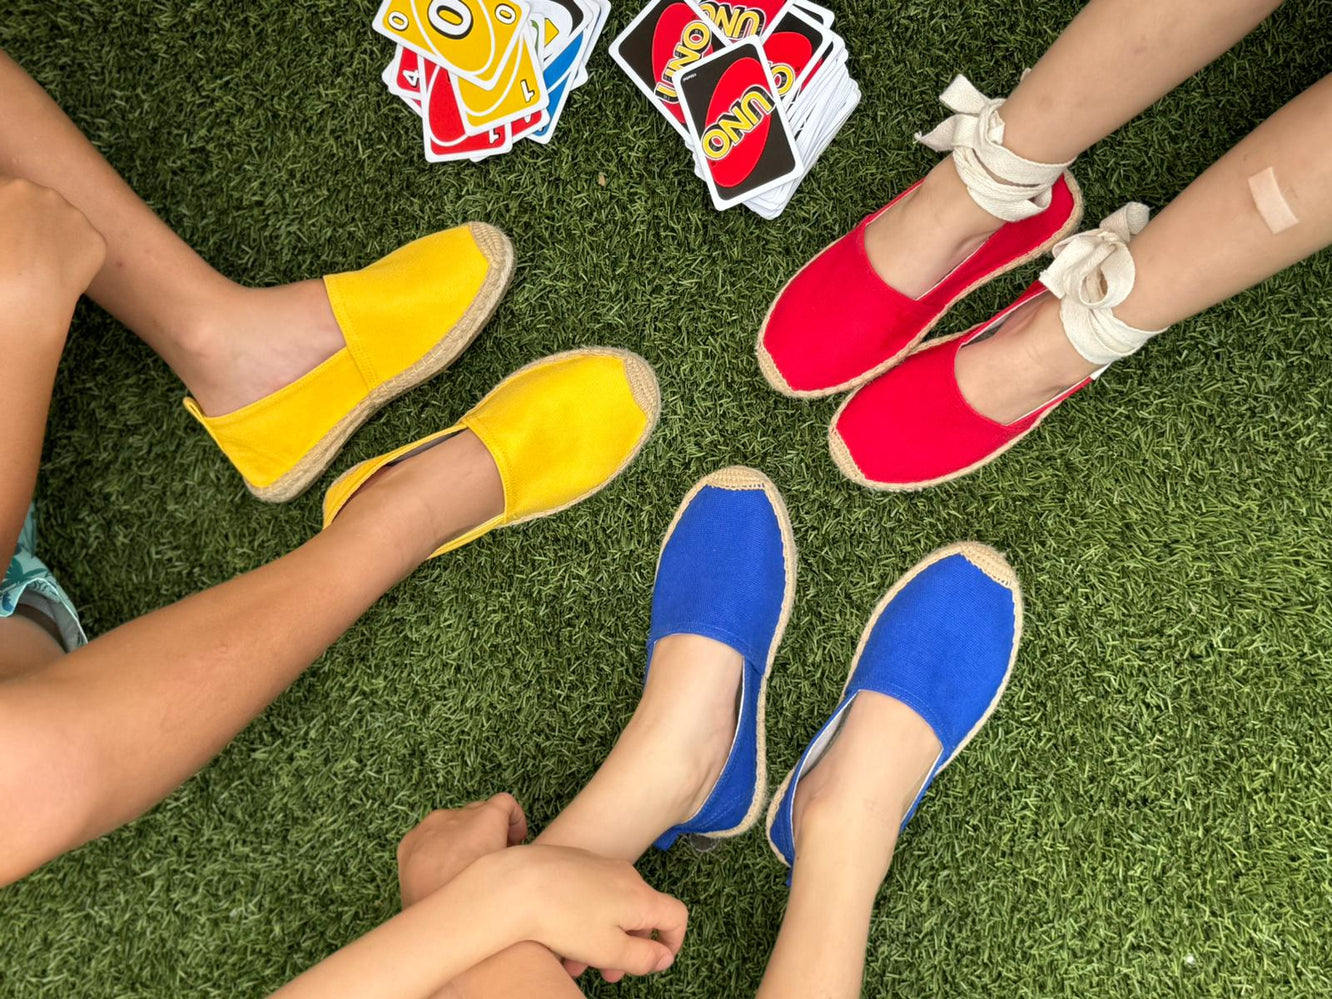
[838,327]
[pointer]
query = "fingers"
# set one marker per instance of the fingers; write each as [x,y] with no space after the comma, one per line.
[669,917]
[640,956]
[507,805]
[651,946]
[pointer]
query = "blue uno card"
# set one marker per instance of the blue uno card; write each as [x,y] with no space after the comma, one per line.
[558,75]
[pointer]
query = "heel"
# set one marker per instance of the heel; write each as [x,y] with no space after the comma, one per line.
[703,844]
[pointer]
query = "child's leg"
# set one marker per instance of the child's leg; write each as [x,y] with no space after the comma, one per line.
[91,739]
[48,254]
[230,345]
[1210,243]
[1114,59]
[666,760]
[847,813]
[658,774]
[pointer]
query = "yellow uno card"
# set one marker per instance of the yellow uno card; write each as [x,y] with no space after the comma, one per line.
[473,39]
[519,91]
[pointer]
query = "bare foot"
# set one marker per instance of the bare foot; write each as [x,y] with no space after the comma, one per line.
[432,496]
[854,799]
[915,246]
[1022,365]
[256,340]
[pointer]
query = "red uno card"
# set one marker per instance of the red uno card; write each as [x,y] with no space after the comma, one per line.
[442,125]
[737,122]
[666,37]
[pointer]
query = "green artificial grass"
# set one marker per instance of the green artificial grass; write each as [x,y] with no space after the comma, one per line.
[1147,813]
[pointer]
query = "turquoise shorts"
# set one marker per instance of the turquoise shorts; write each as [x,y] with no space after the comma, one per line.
[29,582]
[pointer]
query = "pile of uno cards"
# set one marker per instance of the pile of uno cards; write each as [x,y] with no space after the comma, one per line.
[484,73]
[757,88]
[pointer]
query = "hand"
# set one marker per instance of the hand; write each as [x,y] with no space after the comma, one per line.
[447,841]
[49,252]
[594,911]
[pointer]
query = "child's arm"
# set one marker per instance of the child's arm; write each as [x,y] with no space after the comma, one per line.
[582,906]
[419,950]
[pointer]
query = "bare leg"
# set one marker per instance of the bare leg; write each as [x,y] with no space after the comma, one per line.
[48,254]
[1208,244]
[847,813]
[668,757]
[1116,58]
[659,773]
[230,345]
[90,740]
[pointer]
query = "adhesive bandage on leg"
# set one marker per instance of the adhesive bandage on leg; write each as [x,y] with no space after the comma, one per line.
[1270,202]
[1000,181]
[1092,273]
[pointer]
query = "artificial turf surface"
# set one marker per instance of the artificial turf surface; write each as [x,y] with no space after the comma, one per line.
[1147,813]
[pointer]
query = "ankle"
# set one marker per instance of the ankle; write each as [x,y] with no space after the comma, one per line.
[204,343]
[206,331]
[1040,336]
[429,498]
[845,811]
[840,833]
[946,201]
[684,751]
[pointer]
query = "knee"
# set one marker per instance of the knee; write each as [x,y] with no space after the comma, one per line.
[54,252]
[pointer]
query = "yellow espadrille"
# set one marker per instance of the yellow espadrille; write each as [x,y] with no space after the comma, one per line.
[559,430]
[405,318]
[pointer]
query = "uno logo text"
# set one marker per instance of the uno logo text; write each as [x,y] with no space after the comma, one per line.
[743,116]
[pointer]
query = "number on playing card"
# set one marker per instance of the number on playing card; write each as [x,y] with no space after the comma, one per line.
[451,18]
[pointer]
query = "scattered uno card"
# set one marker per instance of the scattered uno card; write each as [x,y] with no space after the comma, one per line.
[757,89]
[666,37]
[736,122]
[482,74]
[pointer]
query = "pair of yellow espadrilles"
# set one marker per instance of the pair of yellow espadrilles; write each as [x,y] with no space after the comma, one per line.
[559,429]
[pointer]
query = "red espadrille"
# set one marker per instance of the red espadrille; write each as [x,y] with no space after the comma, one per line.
[836,324]
[912,427]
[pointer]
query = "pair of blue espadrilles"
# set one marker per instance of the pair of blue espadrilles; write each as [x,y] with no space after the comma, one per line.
[942,640]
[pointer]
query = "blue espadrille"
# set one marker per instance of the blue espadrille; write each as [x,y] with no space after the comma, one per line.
[942,641]
[727,572]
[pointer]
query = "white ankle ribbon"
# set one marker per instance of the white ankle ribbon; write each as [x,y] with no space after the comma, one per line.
[1000,181]
[1092,273]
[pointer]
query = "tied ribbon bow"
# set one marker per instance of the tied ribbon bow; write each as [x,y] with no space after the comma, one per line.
[1000,181]
[1092,273]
